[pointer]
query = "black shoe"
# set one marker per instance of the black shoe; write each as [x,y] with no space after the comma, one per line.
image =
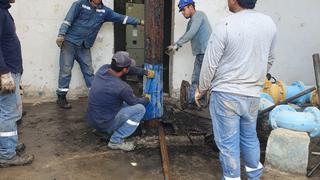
[101,135]
[17,160]
[20,148]
[62,102]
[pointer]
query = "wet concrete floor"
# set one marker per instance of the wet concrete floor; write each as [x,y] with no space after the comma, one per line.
[66,149]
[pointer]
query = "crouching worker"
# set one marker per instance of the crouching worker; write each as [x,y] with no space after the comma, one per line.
[112,106]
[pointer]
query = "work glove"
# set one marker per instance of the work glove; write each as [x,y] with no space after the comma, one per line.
[60,40]
[170,50]
[148,97]
[198,95]
[7,83]
[150,74]
[141,23]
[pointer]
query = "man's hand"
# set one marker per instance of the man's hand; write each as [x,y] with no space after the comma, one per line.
[150,74]
[7,83]
[170,50]
[60,40]
[198,95]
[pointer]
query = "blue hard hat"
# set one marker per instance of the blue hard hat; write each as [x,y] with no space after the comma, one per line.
[184,3]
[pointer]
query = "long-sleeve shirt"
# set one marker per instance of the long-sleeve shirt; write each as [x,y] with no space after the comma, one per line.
[83,22]
[198,32]
[10,48]
[239,53]
[107,95]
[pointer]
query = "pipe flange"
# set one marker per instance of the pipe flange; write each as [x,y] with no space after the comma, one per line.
[274,113]
[303,99]
[315,112]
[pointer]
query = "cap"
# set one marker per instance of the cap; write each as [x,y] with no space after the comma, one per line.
[123,59]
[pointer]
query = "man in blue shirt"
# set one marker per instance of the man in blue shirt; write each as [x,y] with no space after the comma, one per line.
[198,32]
[112,106]
[77,35]
[10,99]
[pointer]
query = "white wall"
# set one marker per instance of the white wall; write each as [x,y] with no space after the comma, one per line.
[38,22]
[298,37]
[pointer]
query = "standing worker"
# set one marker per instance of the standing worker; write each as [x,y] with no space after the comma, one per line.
[77,35]
[240,53]
[112,106]
[198,32]
[11,153]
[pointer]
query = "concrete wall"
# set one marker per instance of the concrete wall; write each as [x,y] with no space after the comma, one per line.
[298,37]
[38,21]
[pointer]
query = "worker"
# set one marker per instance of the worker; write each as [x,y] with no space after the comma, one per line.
[240,52]
[112,106]
[198,32]
[77,35]
[11,153]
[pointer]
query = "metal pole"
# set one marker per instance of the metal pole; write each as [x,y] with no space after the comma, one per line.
[154,33]
[316,65]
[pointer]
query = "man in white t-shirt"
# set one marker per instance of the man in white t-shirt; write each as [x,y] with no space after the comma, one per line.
[239,54]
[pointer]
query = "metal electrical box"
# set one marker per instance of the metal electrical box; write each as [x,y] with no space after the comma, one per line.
[135,35]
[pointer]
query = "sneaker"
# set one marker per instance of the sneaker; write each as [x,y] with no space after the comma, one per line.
[126,146]
[17,161]
[20,148]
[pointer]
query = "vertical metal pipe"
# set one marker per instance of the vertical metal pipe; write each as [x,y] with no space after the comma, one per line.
[154,33]
[316,65]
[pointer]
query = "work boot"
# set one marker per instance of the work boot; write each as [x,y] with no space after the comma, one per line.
[20,148]
[62,102]
[17,160]
[102,135]
[126,146]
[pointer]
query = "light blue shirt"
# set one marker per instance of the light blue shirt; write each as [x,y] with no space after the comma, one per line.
[198,32]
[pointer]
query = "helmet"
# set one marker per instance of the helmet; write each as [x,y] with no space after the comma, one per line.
[184,3]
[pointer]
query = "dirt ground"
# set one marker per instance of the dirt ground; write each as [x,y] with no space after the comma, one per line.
[66,149]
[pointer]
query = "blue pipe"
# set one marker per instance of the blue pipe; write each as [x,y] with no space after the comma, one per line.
[285,116]
[296,88]
[265,101]
[154,87]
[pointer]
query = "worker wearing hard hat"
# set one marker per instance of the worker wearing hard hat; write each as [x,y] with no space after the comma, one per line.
[198,32]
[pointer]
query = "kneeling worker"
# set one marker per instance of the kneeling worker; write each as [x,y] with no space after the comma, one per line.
[112,106]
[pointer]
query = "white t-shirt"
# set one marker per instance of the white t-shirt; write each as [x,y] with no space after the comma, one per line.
[239,54]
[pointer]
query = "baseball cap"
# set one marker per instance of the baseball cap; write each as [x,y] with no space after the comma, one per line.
[123,59]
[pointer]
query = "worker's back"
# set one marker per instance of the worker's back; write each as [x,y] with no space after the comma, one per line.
[248,40]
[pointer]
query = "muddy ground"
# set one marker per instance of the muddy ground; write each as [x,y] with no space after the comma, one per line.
[66,149]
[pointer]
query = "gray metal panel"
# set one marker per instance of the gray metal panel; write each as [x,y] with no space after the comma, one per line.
[137,55]
[135,35]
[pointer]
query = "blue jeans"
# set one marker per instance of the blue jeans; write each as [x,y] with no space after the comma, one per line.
[234,120]
[70,52]
[126,122]
[10,112]
[197,69]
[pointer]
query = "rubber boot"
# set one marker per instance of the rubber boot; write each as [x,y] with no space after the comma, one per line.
[62,102]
